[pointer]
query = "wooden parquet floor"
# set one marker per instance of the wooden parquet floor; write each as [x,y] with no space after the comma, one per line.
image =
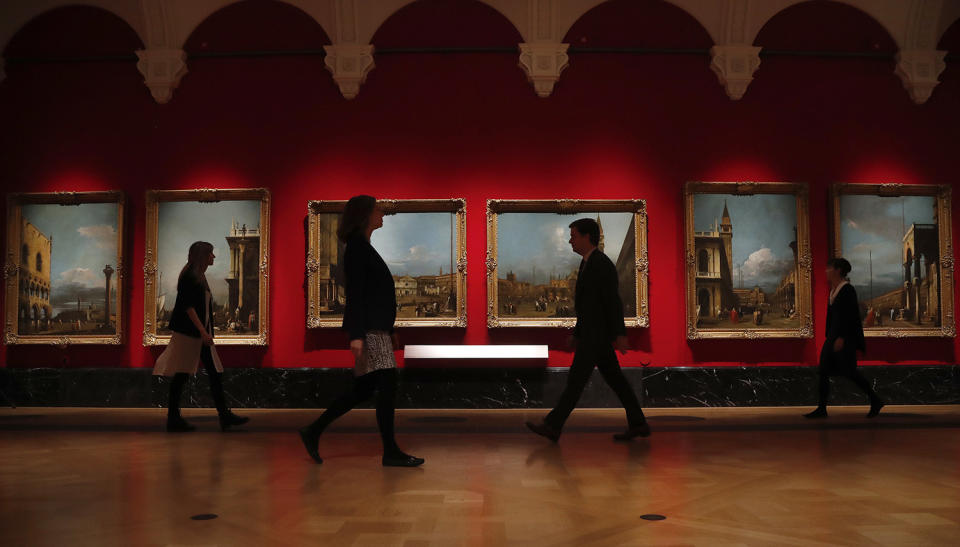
[742,476]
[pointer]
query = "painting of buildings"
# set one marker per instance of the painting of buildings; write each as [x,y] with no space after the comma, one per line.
[745,259]
[66,275]
[420,248]
[893,244]
[537,272]
[233,227]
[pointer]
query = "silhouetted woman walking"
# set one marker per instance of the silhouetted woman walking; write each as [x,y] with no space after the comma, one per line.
[838,357]
[370,312]
[192,341]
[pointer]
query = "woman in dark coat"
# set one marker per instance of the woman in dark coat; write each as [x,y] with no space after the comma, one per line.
[845,340]
[192,341]
[371,310]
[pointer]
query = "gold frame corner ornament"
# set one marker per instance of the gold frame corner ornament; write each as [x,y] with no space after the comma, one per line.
[804,259]
[942,193]
[12,269]
[457,206]
[638,207]
[206,195]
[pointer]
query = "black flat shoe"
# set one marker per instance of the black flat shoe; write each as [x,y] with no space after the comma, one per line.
[230,419]
[875,409]
[816,414]
[402,460]
[310,443]
[544,430]
[179,426]
[634,431]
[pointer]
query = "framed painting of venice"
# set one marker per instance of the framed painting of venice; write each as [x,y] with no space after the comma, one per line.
[897,238]
[532,271]
[748,262]
[64,268]
[237,223]
[423,243]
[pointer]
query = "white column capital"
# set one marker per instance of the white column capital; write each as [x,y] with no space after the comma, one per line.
[734,65]
[543,63]
[162,70]
[349,64]
[919,70]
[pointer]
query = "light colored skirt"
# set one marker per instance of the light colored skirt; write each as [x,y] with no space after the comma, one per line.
[183,355]
[377,353]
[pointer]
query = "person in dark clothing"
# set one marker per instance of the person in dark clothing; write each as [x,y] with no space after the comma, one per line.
[368,318]
[192,341]
[599,328]
[838,356]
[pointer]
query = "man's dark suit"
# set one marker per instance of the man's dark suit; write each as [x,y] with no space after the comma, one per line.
[599,323]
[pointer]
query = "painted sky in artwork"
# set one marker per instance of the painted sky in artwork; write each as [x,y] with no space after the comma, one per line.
[535,245]
[763,227]
[877,224]
[416,243]
[84,241]
[183,222]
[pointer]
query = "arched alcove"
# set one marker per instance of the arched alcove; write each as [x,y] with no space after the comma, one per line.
[256,26]
[446,24]
[638,24]
[72,32]
[825,26]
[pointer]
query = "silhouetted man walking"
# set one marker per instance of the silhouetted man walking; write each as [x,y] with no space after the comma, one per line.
[599,328]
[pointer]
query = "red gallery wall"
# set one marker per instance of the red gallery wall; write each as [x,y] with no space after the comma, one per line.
[469,125]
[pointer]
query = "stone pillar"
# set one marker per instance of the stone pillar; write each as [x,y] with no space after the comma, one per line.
[543,63]
[734,65]
[919,70]
[349,64]
[162,70]
[107,272]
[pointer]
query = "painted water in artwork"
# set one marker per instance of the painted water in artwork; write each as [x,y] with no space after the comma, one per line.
[68,258]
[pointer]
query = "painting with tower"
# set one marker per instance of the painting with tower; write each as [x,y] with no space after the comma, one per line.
[745,271]
[235,222]
[66,249]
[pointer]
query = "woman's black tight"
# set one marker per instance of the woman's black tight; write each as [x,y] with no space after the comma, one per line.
[180,381]
[384,382]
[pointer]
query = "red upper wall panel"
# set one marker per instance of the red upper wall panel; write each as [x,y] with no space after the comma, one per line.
[638,24]
[257,25]
[74,31]
[446,24]
[823,25]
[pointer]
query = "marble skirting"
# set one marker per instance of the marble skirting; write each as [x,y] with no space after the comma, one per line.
[480,388]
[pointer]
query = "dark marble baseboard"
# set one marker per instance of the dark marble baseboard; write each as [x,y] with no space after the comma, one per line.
[481,388]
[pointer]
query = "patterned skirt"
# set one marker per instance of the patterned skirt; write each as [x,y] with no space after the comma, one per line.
[377,353]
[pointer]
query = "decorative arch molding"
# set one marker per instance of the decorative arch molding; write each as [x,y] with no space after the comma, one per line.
[163,26]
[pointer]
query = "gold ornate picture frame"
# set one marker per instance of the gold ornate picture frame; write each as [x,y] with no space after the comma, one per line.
[42,283]
[898,238]
[777,301]
[425,298]
[516,298]
[239,278]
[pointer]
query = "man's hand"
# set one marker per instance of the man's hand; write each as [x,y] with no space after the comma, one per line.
[838,345]
[356,347]
[621,344]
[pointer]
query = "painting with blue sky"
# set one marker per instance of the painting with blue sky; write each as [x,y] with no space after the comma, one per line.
[535,246]
[763,229]
[82,242]
[180,223]
[893,245]
[874,226]
[417,244]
